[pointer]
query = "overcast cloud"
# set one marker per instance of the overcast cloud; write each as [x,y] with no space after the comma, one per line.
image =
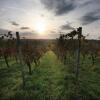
[23,14]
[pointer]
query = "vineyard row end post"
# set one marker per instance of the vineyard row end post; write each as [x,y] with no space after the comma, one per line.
[79,32]
[19,51]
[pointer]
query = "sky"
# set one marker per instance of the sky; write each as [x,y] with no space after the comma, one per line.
[46,19]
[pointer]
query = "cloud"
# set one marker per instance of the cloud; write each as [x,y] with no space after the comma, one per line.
[14,23]
[83,3]
[90,17]
[30,32]
[67,26]
[26,33]
[3,31]
[59,7]
[86,3]
[53,35]
[29,35]
[24,28]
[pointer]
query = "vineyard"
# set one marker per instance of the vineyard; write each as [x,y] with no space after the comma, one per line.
[66,68]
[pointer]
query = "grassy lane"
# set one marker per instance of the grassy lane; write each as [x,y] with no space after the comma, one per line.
[48,78]
[51,80]
[45,83]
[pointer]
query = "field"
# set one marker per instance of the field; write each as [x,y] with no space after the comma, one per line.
[50,80]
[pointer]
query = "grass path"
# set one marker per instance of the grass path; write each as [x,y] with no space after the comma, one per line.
[48,77]
[44,83]
[51,80]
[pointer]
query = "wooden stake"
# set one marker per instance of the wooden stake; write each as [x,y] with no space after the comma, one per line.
[79,32]
[19,51]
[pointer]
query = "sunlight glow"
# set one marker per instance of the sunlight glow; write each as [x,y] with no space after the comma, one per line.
[40,27]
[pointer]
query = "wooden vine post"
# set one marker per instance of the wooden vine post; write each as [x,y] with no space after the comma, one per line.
[19,51]
[79,33]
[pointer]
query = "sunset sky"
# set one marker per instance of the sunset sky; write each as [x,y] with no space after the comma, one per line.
[48,18]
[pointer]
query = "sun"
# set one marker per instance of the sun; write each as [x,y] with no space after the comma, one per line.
[40,27]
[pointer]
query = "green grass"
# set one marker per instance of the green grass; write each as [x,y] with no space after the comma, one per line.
[51,80]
